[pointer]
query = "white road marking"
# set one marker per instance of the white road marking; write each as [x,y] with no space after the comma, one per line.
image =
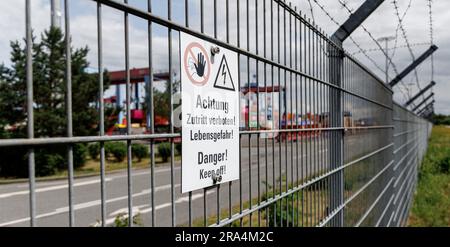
[98,202]
[110,177]
[124,211]
[148,210]
[63,185]
[87,205]
[146,172]
[51,188]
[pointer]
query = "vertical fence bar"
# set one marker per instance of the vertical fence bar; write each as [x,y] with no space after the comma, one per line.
[128,117]
[294,117]
[272,69]
[69,110]
[205,216]
[302,112]
[315,126]
[30,111]
[309,146]
[202,28]
[240,85]
[296,222]
[325,115]
[230,184]
[285,114]
[172,147]
[292,120]
[218,204]
[202,22]
[215,18]
[266,106]
[249,113]
[218,186]
[318,124]
[322,136]
[152,113]
[336,145]
[280,135]
[258,123]
[186,15]
[101,112]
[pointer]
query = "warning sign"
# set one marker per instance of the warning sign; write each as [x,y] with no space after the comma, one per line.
[197,64]
[210,114]
[224,80]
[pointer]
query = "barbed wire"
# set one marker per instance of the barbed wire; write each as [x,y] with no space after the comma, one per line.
[359,46]
[393,48]
[385,53]
[397,30]
[405,37]
[430,9]
[354,42]
[314,24]
[311,10]
[371,36]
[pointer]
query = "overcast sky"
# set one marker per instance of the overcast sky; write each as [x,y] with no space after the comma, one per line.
[383,22]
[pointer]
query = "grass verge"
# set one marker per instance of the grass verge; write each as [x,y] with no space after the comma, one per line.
[297,209]
[431,206]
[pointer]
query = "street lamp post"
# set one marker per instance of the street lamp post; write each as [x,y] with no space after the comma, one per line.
[386,40]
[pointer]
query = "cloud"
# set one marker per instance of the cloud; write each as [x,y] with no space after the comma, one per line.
[383,22]
[12,23]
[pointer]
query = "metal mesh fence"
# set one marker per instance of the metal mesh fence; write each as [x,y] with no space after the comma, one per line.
[321,143]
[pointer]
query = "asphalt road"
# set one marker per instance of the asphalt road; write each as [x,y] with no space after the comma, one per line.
[52,197]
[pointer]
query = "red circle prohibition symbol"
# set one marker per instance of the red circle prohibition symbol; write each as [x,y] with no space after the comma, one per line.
[189,52]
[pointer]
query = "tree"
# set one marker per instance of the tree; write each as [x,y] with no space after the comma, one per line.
[49,84]
[161,99]
[440,119]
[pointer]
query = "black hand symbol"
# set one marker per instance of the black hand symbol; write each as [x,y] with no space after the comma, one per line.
[200,67]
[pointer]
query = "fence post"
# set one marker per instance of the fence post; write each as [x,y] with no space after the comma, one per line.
[336,59]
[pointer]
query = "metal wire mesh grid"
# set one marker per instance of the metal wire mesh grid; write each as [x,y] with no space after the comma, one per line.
[321,143]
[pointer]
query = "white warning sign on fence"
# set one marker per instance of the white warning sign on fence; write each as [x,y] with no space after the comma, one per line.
[210,114]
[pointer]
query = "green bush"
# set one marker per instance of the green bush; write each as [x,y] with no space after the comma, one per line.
[117,149]
[139,151]
[79,155]
[178,148]
[14,162]
[164,151]
[94,150]
[53,159]
[47,164]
